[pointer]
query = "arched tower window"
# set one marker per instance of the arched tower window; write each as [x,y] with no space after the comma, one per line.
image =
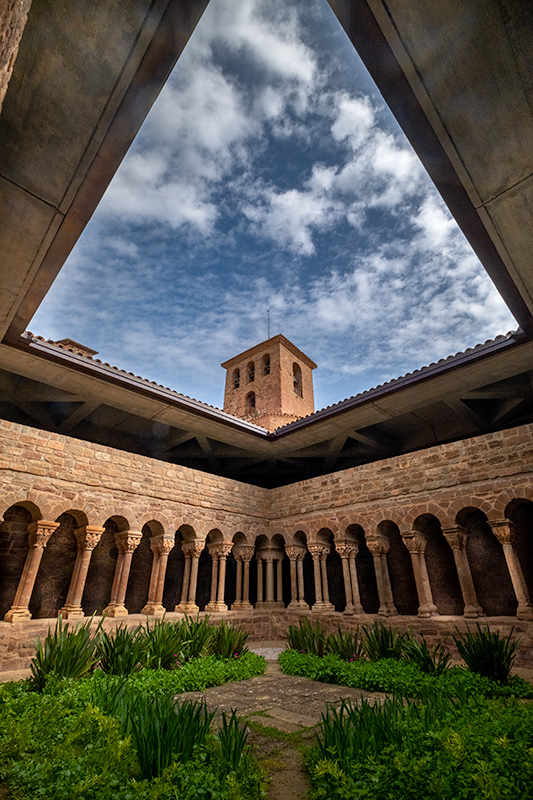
[251,371]
[250,403]
[297,379]
[266,364]
[236,378]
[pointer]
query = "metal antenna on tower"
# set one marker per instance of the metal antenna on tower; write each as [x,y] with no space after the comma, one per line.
[268,322]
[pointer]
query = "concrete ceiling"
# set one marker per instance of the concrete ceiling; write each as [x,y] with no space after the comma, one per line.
[458,75]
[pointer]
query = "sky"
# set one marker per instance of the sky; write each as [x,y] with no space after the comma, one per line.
[269,175]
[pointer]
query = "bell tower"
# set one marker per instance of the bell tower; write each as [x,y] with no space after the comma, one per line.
[270,384]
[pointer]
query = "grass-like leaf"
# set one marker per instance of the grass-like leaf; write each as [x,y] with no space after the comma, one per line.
[382,642]
[487,653]
[64,653]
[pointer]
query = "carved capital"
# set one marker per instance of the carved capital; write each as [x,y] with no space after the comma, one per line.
[415,542]
[319,551]
[192,549]
[456,537]
[347,550]
[378,546]
[39,533]
[160,545]
[295,553]
[244,553]
[501,529]
[128,541]
[88,537]
[221,550]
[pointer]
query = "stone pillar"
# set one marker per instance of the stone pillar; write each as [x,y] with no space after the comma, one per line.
[379,548]
[279,582]
[502,530]
[269,558]
[319,553]
[39,534]
[416,544]
[192,550]
[127,542]
[87,538]
[161,548]
[243,556]
[219,553]
[456,538]
[296,555]
[348,553]
[260,595]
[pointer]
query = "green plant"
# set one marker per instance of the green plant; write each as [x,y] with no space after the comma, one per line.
[487,653]
[347,645]
[233,738]
[65,653]
[227,641]
[308,638]
[434,661]
[382,642]
[120,652]
[163,644]
[197,637]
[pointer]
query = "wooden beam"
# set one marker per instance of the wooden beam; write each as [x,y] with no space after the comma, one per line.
[78,415]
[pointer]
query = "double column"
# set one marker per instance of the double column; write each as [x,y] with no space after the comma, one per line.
[456,538]
[379,547]
[348,552]
[502,530]
[219,554]
[160,547]
[127,542]
[192,552]
[416,544]
[87,537]
[268,595]
[319,554]
[39,534]
[243,556]
[296,555]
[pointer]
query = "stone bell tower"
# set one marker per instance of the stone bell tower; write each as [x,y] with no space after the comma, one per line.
[270,384]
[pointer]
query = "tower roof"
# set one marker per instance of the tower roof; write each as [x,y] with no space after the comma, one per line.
[278,339]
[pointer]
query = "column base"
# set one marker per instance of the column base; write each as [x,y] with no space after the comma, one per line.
[473,611]
[387,611]
[350,610]
[524,611]
[298,605]
[216,607]
[151,609]
[71,612]
[187,608]
[241,607]
[115,611]
[271,605]
[427,610]
[17,614]
[322,607]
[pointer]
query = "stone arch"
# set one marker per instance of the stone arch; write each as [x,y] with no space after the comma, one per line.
[443,579]
[55,570]
[366,574]
[141,568]
[519,512]
[14,549]
[80,517]
[297,379]
[489,569]
[250,404]
[236,378]
[172,592]
[266,364]
[296,535]
[401,573]
[101,572]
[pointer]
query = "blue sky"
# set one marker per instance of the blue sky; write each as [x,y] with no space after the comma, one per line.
[270,175]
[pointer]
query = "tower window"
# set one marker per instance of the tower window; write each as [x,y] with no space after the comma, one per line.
[250,403]
[236,378]
[251,371]
[297,379]
[266,364]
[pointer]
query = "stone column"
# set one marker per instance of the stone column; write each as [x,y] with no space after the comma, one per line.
[127,542]
[260,601]
[296,555]
[456,538]
[269,558]
[161,548]
[192,550]
[502,530]
[87,538]
[379,548]
[348,553]
[319,553]
[243,555]
[218,582]
[416,544]
[39,534]
[215,554]
[186,578]
[279,582]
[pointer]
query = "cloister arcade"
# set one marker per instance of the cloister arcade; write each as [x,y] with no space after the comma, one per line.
[476,559]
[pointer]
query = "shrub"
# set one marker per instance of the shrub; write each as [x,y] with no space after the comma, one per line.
[347,645]
[227,641]
[434,661]
[233,738]
[197,637]
[65,653]
[163,644]
[308,638]
[487,653]
[382,642]
[120,652]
